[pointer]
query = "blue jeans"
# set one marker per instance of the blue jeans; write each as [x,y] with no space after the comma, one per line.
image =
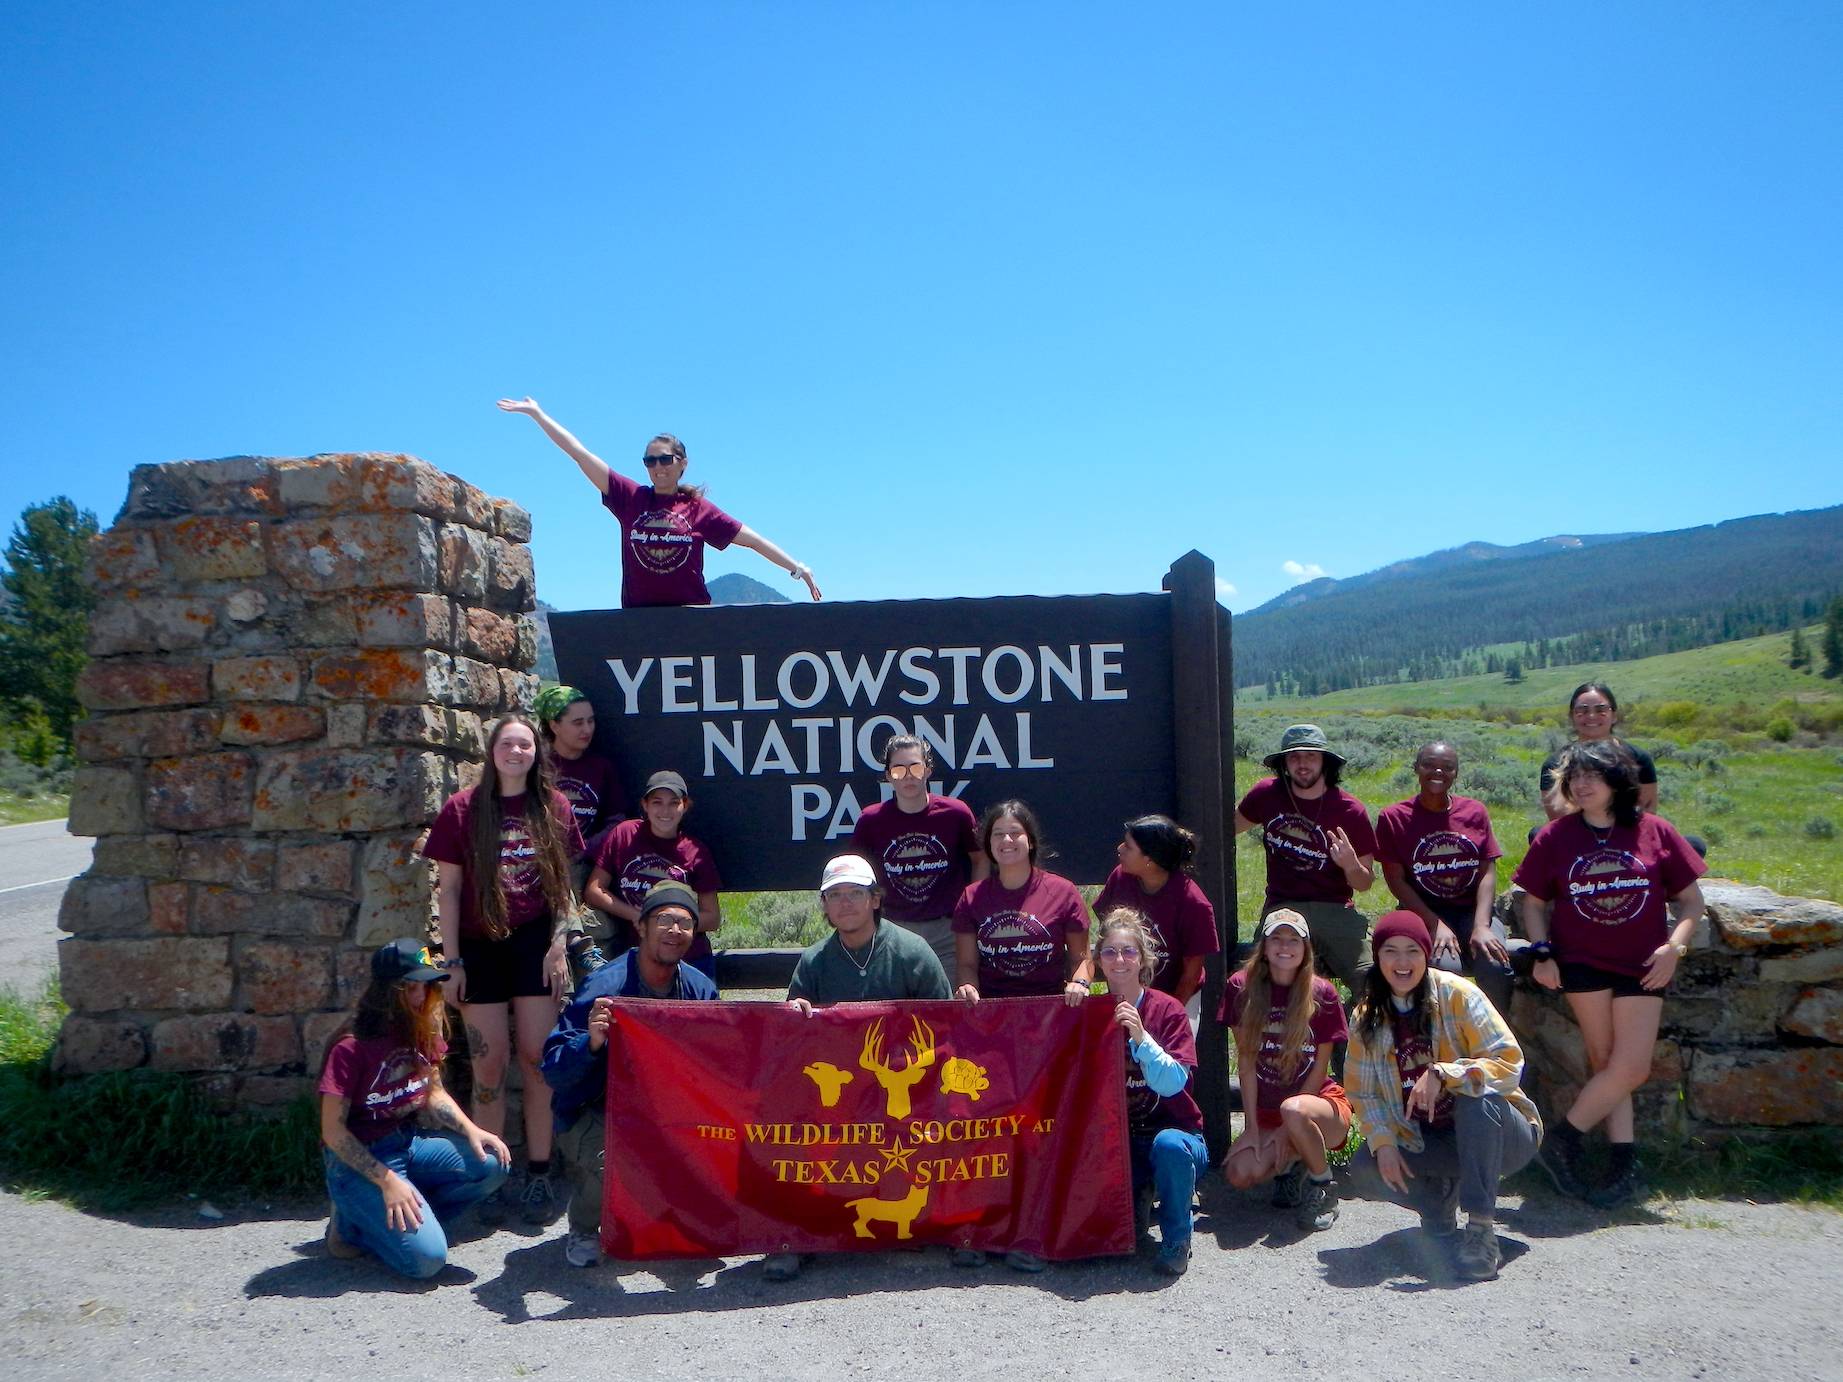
[1170,1163]
[447,1177]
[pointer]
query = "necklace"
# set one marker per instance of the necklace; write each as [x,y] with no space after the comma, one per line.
[1601,833]
[870,953]
[1299,810]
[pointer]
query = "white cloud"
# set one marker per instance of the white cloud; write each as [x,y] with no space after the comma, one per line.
[1224,590]
[1305,571]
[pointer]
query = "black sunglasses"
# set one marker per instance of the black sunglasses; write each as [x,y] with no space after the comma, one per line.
[651,462]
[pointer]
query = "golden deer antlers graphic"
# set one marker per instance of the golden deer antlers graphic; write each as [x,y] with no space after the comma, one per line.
[897,1083]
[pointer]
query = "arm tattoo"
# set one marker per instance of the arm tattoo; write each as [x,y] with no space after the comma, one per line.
[350,1150]
[445,1113]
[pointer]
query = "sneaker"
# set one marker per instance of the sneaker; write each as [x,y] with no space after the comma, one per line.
[1477,1256]
[781,1266]
[537,1202]
[583,1250]
[337,1245]
[1025,1261]
[1173,1258]
[1288,1186]
[1142,1211]
[493,1209]
[1553,1157]
[1317,1208]
[1625,1187]
[968,1257]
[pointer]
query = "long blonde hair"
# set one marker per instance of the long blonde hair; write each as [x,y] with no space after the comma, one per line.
[1257,1001]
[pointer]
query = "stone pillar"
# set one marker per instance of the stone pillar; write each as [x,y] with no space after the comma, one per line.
[291,663]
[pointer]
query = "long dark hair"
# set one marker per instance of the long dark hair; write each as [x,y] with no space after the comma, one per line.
[1164,842]
[1376,1004]
[1612,760]
[385,1010]
[1025,817]
[540,824]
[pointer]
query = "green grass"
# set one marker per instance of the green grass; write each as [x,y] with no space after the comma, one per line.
[1797,1168]
[17,810]
[117,1141]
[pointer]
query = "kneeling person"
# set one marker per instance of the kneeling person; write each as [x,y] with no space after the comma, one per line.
[576,1053]
[865,959]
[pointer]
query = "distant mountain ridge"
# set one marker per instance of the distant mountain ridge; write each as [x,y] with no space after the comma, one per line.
[1607,599]
[1439,561]
[734,588]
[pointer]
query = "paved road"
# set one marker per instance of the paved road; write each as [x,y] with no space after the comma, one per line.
[36,861]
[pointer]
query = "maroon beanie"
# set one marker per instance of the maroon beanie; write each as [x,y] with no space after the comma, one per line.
[1404,924]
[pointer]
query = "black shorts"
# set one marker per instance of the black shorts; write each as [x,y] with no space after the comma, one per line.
[499,971]
[1577,978]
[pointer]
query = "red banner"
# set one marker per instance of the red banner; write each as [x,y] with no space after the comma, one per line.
[745,1127]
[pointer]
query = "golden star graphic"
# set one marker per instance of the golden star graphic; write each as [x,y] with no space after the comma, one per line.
[897,1156]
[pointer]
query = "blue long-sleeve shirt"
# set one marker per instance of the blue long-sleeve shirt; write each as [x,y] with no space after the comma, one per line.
[577,1076]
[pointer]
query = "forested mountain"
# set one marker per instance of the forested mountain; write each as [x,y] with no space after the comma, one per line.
[1605,601]
[734,588]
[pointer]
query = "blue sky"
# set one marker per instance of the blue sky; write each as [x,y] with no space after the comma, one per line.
[947,299]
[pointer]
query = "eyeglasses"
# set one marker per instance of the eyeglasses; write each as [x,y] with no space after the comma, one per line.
[650,462]
[898,771]
[1593,710]
[1119,952]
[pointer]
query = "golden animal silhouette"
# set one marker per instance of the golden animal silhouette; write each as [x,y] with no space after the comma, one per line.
[901,1213]
[898,1082]
[963,1077]
[830,1080]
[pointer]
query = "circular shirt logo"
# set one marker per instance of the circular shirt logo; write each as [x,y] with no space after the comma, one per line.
[1608,886]
[1298,841]
[644,872]
[913,864]
[584,800]
[518,857]
[1014,943]
[1445,865]
[661,539]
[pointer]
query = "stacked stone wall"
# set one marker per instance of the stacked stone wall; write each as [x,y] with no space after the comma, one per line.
[1751,1040]
[292,662]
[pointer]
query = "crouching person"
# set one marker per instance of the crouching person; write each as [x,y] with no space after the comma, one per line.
[391,1182]
[575,1063]
[1434,1082]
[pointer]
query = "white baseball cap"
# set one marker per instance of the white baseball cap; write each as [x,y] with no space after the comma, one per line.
[847,868]
[1286,919]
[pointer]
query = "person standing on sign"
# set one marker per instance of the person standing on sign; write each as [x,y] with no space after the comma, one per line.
[665,525]
[502,851]
[1164,1124]
[1021,933]
[866,959]
[639,854]
[1614,873]
[1153,879]
[575,1064]
[924,847]
[1437,854]
[593,787]
[1319,848]
[391,1182]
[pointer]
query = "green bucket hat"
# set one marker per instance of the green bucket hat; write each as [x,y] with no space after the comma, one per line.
[1301,737]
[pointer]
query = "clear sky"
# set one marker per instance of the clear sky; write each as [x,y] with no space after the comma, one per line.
[946,298]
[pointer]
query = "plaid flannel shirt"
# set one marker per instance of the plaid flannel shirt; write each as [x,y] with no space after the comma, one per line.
[1474,1053]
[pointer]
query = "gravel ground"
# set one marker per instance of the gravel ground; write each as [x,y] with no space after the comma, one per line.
[1680,1290]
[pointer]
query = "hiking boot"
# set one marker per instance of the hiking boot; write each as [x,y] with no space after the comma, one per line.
[781,1266]
[537,1202]
[492,1210]
[1626,1187]
[1025,1261]
[1441,1224]
[968,1257]
[583,1250]
[1173,1258]
[1561,1165]
[1477,1257]
[337,1245]
[1317,1209]
[1288,1186]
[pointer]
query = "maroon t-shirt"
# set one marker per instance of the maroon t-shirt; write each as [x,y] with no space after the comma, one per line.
[593,789]
[1440,852]
[1023,934]
[519,879]
[1609,890]
[1413,1054]
[923,860]
[385,1080]
[1295,834]
[1147,1113]
[637,860]
[663,541]
[1178,913]
[1274,1084]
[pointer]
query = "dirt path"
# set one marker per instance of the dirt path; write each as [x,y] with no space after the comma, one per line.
[1687,1290]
